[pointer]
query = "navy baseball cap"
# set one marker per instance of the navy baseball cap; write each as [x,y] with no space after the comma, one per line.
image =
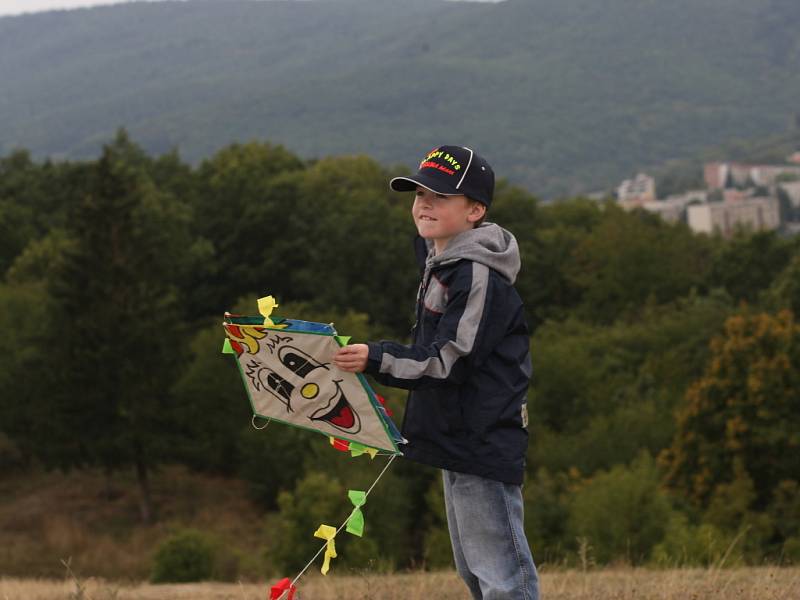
[451,170]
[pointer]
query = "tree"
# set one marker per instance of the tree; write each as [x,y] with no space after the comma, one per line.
[632,256]
[241,204]
[592,381]
[23,312]
[115,341]
[785,289]
[748,263]
[31,201]
[740,422]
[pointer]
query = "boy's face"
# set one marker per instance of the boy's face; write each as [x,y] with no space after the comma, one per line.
[440,217]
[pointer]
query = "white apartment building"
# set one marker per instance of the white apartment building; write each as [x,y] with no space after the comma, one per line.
[635,192]
[760,213]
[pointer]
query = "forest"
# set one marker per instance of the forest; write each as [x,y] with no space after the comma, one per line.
[664,404]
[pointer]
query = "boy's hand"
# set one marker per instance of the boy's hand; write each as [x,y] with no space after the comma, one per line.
[352,358]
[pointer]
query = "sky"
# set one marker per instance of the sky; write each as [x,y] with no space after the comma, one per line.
[15,7]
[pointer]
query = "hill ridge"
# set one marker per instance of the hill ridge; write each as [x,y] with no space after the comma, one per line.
[562,97]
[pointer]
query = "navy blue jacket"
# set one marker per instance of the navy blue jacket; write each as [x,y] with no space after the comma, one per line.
[468,367]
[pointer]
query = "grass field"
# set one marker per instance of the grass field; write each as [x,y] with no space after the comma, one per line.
[49,517]
[763,583]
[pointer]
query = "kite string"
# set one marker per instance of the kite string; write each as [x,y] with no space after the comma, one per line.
[325,545]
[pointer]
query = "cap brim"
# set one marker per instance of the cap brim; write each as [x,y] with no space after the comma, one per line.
[409,184]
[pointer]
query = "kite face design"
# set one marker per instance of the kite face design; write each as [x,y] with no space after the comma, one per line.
[302,383]
[286,366]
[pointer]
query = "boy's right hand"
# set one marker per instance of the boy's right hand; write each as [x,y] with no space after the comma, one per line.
[352,359]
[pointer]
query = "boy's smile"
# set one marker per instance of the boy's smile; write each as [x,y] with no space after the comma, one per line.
[440,217]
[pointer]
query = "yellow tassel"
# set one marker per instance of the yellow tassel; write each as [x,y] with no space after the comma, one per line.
[326,532]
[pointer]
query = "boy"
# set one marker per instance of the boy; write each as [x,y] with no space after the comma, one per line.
[468,368]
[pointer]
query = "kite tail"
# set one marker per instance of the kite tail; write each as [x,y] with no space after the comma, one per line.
[342,526]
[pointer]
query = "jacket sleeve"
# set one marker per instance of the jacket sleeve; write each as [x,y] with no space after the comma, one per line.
[458,334]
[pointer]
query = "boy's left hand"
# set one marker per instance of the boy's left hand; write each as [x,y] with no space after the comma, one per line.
[352,358]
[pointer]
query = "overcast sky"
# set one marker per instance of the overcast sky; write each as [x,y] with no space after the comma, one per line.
[15,7]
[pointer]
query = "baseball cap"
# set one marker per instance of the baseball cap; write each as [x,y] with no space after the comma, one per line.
[451,170]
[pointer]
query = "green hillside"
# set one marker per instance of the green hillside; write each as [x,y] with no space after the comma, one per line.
[562,95]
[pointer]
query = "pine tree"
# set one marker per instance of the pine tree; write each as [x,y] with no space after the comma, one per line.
[116,333]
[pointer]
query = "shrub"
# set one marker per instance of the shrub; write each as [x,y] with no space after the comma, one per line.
[622,513]
[791,551]
[687,545]
[547,498]
[316,499]
[187,555]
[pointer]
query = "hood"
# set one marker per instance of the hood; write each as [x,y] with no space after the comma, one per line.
[489,244]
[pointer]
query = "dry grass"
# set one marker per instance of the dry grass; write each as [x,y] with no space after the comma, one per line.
[50,517]
[763,583]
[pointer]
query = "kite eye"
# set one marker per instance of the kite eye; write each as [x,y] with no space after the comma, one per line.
[280,385]
[297,360]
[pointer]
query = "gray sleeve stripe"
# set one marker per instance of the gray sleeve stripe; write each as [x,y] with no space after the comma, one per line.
[439,366]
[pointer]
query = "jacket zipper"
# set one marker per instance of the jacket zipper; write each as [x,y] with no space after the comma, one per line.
[421,291]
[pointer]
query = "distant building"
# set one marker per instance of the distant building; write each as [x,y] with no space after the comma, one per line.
[725,174]
[769,174]
[635,192]
[792,189]
[673,208]
[762,213]
[734,195]
[670,212]
[715,174]
[696,196]
[721,174]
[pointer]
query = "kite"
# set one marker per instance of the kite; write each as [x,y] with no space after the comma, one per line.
[287,368]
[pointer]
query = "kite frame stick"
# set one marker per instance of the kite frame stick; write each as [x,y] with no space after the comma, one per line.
[342,526]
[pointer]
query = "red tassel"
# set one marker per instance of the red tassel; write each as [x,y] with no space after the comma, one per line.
[383,403]
[280,587]
[341,445]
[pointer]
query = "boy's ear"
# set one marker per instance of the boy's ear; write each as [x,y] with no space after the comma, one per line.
[476,211]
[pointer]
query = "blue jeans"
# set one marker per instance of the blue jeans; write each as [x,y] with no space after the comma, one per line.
[491,553]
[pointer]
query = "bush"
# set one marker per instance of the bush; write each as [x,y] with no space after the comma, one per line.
[622,513]
[317,499]
[547,499]
[687,545]
[187,555]
[791,551]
